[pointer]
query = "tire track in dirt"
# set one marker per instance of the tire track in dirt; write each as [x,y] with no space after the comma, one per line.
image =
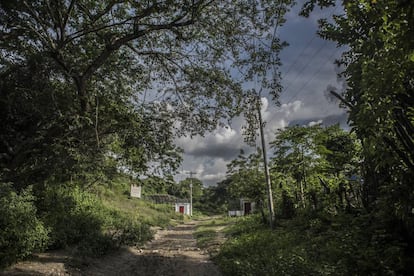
[172,252]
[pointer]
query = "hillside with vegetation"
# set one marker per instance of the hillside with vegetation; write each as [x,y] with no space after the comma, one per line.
[94,94]
[344,199]
[91,91]
[84,223]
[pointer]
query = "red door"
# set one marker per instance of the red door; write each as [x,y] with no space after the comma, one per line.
[247,208]
[181,209]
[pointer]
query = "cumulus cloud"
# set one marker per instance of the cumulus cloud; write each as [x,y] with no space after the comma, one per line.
[223,142]
[208,169]
[314,123]
[307,72]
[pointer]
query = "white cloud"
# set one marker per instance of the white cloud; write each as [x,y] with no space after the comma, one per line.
[304,101]
[314,123]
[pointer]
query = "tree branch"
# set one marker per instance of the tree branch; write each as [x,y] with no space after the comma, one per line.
[65,20]
[348,104]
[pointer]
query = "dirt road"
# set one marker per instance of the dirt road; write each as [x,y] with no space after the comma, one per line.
[172,252]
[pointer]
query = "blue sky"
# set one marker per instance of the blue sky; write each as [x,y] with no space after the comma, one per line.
[308,72]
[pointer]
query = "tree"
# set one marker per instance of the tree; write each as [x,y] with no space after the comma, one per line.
[175,47]
[318,161]
[215,199]
[341,158]
[182,189]
[117,79]
[379,69]
[156,185]
[379,66]
[295,155]
[246,179]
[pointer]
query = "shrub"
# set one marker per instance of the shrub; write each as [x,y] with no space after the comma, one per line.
[80,219]
[74,216]
[21,232]
[128,231]
[264,252]
[314,244]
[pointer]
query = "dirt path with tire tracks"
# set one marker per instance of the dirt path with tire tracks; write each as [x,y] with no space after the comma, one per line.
[172,252]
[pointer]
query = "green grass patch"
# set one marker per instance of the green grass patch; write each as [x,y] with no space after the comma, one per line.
[205,237]
[87,223]
[117,196]
[210,233]
[311,245]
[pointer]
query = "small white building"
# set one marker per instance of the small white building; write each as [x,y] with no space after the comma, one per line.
[182,208]
[247,207]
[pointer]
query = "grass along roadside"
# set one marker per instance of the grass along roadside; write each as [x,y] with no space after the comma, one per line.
[81,225]
[210,232]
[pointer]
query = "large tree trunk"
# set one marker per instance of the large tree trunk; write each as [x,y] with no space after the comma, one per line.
[82,95]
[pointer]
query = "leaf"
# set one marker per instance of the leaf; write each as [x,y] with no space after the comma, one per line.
[411,56]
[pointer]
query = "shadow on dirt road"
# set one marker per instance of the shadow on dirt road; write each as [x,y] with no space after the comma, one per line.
[172,252]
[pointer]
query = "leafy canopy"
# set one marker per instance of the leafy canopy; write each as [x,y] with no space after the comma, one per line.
[94,86]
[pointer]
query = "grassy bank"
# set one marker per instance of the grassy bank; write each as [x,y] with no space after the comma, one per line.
[89,222]
[311,245]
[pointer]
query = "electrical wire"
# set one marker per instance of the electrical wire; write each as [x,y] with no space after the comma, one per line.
[302,70]
[315,74]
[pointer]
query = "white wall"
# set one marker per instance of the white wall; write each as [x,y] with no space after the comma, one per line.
[186,208]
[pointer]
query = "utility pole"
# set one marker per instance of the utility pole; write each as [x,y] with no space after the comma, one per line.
[191,192]
[267,175]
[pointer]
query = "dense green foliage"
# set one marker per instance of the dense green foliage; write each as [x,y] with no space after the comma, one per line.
[182,189]
[93,89]
[379,97]
[214,199]
[345,200]
[312,168]
[322,224]
[318,244]
[89,224]
[21,232]
[317,168]
[88,87]
[379,68]
[81,219]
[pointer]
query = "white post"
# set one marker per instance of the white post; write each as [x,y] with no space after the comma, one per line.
[191,192]
[191,197]
[267,175]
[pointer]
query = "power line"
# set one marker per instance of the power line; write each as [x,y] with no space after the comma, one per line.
[307,45]
[299,56]
[314,75]
[293,97]
[306,65]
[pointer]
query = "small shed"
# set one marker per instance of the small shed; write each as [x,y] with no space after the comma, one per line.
[183,208]
[247,206]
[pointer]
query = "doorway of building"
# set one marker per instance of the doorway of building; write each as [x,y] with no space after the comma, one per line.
[247,208]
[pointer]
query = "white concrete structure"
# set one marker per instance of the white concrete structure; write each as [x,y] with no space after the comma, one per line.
[136,191]
[236,213]
[183,208]
[247,207]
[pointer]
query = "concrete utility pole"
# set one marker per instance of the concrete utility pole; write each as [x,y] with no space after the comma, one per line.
[268,181]
[191,192]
